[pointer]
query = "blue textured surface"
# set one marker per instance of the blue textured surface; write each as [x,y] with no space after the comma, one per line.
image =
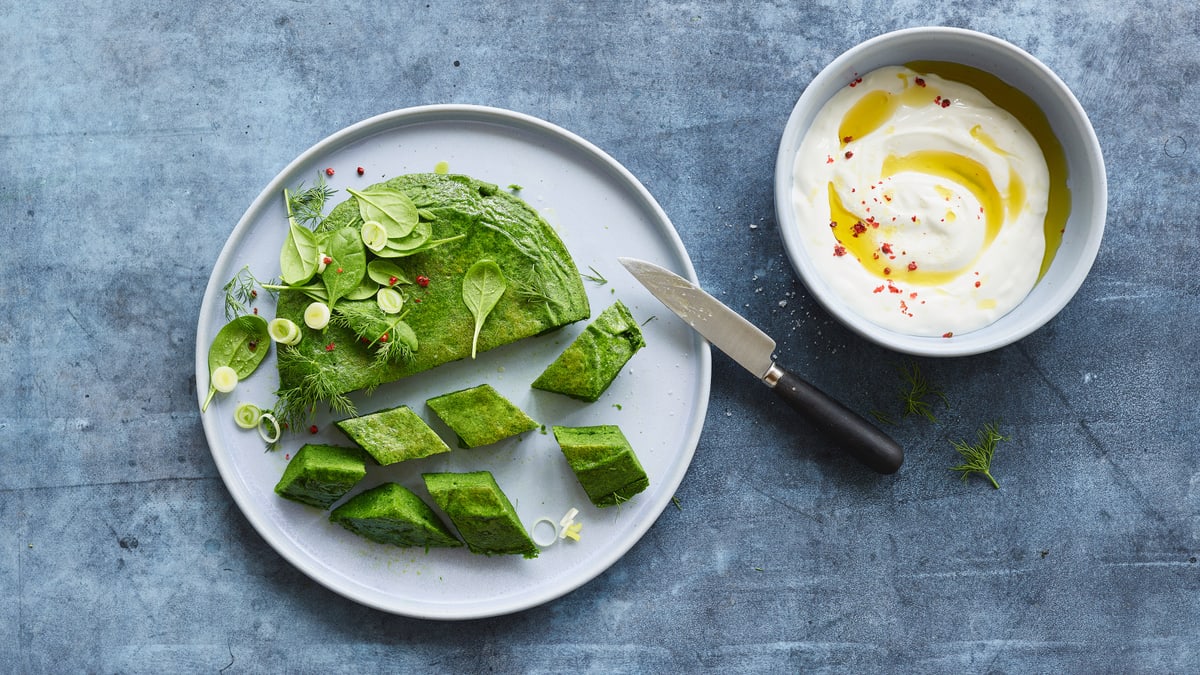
[135,134]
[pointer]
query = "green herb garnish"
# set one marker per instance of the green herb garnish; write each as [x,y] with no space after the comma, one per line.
[240,293]
[531,288]
[307,206]
[299,257]
[978,458]
[393,339]
[386,273]
[389,207]
[295,405]
[595,276]
[347,266]
[241,345]
[483,285]
[313,291]
[915,399]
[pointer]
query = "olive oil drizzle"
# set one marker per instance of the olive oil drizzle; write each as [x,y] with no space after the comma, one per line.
[875,108]
[1021,106]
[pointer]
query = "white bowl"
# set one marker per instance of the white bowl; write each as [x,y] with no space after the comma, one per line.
[1086,179]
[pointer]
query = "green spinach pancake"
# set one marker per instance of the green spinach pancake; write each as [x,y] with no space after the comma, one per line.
[462,222]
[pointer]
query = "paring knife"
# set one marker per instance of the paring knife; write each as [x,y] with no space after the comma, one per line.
[752,349]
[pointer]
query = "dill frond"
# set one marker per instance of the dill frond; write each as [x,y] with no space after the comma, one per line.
[978,458]
[392,338]
[297,405]
[916,397]
[240,293]
[307,205]
[595,276]
[530,288]
[399,347]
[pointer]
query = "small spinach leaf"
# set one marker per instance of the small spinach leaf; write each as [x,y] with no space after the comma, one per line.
[347,266]
[389,207]
[298,257]
[367,288]
[383,272]
[241,344]
[419,235]
[482,287]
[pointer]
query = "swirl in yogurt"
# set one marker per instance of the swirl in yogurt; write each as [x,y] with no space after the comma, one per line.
[923,204]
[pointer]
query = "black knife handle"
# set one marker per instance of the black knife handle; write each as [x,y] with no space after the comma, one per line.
[847,428]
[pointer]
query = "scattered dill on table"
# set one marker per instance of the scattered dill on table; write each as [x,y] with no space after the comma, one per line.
[918,392]
[977,458]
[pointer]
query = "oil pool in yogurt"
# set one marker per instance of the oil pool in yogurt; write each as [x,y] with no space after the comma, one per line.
[925,207]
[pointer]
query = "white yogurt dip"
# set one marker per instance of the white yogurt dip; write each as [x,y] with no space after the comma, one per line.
[921,204]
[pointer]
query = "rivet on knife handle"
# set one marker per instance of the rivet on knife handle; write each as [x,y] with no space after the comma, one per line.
[851,431]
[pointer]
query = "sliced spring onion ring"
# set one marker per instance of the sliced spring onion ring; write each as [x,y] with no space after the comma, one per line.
[374,235]
[390,300]
[284,331]
[321,262]
[246,415]
[264,420]
[533,532]
[316,316]
[224,379]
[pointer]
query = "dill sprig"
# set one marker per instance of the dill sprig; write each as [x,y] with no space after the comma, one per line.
[240,293]
[916,397]
[393,339]
[395,350]
[595,276]
[307,205]
[531,287]
[978,458]
[296,405]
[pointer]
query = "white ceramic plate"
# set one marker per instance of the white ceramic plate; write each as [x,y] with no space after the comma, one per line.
[601,212]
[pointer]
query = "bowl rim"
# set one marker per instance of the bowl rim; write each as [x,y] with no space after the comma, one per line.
[1052,292]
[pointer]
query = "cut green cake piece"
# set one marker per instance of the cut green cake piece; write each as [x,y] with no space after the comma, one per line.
[393,435]
[604,463]
[319,475]
[480,415]
[588,365]
[392,514]
[484,517]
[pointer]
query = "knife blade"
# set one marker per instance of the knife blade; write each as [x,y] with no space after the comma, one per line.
[753,349]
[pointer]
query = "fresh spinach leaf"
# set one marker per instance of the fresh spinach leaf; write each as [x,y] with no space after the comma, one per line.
[400,346]
[316,291]
[483,285]
[401,246]
[241,344]
[298,257]
[348,263]
[367,288]
[389,207]
[428,245]
[383,272]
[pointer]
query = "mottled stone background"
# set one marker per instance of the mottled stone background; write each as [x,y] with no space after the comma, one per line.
[134,134]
